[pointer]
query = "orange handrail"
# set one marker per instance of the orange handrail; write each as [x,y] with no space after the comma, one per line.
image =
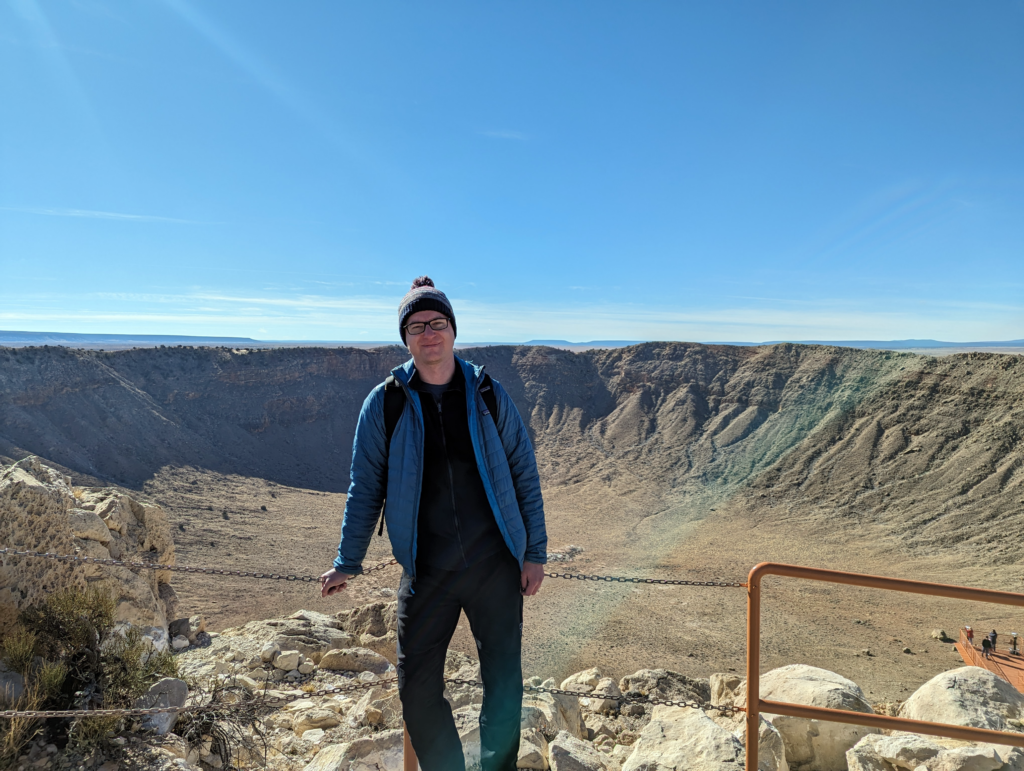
[756,705]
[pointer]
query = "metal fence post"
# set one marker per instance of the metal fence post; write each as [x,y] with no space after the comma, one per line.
[753,669]
[409,762]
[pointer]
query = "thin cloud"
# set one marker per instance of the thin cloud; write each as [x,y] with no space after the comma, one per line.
[102,215]
[518,136]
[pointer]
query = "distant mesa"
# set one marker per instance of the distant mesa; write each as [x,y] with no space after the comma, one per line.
[75,340]
[15,339]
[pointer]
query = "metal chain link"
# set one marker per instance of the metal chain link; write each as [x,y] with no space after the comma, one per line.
[38,713]
[178,568]
[623,698]
[311,579]
[659,581]
[276,701]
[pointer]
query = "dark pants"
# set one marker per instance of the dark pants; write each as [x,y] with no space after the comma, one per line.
[428,612]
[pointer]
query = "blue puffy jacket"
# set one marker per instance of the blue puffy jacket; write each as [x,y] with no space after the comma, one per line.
[504,457]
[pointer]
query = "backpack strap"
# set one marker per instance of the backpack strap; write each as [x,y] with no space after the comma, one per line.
[394,403]
[490,399]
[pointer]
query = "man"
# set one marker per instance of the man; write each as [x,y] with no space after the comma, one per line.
[466,521]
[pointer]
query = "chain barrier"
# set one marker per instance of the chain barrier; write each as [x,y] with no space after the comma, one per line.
[179,568]
[278,701]
[316,579]
[658,581]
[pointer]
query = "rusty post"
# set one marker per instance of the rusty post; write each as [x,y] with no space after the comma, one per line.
[755,704]
[753,668]
[409,762]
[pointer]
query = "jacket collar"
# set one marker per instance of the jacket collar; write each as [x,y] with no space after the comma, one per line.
[472,372]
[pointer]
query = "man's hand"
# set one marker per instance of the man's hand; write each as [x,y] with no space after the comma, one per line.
[531,578]
[332,581]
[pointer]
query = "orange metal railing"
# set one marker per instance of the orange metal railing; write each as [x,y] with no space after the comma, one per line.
[756,705]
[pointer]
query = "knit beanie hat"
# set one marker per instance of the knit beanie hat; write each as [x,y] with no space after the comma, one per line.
[424,297]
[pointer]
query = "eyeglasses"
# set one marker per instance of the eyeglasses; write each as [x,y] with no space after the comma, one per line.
[419,327]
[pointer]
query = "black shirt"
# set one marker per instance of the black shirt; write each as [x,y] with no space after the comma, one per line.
[456,525]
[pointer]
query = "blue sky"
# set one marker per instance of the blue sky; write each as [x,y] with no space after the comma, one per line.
[578,170]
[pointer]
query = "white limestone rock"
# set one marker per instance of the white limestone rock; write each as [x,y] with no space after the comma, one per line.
[40,510]
[315,718]
[356,660]
[968,696]
[287,660]
[684,739]
[269,652]
[166,692]
[813,745]
[723,687]
[910,751]
[588,678]
[551,714]
[88,526]
[533,750]
[380,752]
[604,698]
[568,753]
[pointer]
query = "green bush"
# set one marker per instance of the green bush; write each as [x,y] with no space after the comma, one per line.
[18,650]
[73,656]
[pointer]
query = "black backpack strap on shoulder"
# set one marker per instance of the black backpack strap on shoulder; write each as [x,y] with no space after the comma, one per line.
[394,403]
[490,398]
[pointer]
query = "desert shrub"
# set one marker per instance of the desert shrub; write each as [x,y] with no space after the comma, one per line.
[71,622]
[50,677]
[17,651]
[128,668]
[86,660]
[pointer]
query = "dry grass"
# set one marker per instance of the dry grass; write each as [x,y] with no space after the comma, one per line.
[16,733]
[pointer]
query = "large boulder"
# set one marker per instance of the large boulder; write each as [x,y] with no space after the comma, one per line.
[684,739]
[902,752]
[813,745]
[968,696]
[310,633]
[356,660]
[382,752]
[568,753]
[551,714]
[41,511]
[375,619]
[665,684]
[166,692]
[374,626]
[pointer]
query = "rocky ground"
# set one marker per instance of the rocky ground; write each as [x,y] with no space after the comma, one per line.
[317,692]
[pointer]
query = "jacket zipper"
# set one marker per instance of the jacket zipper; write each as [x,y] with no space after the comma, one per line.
[451,483]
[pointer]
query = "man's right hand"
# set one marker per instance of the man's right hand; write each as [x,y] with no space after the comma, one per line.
[332,581]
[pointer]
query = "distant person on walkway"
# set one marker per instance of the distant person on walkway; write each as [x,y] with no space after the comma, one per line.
[970,636]
[992,636]
[444,446]
[986,647]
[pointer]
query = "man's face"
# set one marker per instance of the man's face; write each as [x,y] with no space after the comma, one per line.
[432,347]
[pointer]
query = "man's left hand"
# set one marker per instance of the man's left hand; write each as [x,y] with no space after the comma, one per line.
[531,578]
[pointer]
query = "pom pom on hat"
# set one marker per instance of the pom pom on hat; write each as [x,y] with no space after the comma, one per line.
[424,296]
